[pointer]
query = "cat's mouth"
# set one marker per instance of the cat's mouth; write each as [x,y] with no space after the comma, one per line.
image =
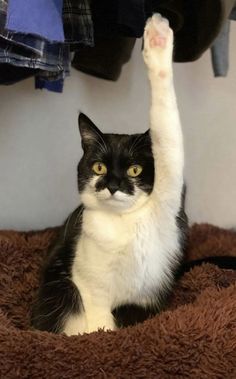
[118,199]
[105,194]
[118,196]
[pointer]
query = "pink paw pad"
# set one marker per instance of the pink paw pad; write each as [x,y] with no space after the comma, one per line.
[158,41]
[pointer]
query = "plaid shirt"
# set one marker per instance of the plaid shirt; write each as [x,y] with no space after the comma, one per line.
[78,24]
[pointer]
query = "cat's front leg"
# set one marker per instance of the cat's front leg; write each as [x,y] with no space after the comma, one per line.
[165,124]
[99,318]
[96,307]
[91,319]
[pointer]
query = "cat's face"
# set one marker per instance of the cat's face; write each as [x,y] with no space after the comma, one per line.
[116,171]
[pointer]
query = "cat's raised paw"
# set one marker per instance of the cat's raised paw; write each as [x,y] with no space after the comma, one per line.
[158,43]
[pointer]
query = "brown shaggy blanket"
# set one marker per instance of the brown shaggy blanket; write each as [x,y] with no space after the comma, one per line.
[194,338]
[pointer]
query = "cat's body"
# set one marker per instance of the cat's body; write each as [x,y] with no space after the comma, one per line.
[124,244]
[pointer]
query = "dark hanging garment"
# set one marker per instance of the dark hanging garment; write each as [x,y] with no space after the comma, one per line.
[11,75]
[202,22]
[131,17]
[111,48]
[106,58]
[196,23]
[78,24]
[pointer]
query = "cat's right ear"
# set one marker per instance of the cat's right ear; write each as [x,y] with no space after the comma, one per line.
[88,131]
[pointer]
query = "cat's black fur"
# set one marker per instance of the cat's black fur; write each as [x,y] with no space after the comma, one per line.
[57,295]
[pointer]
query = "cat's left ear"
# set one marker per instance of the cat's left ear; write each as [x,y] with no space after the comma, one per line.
[88,131]
[147,133]
[147,136]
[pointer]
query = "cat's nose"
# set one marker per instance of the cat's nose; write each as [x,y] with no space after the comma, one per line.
[113,188]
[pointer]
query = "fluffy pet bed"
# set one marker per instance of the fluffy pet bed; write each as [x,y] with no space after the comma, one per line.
[194,338]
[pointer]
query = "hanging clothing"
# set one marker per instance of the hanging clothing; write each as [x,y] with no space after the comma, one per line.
[53,58]
[78,23]
[202,22]
[51,84]
[49,60]
[220,48]
[10,74]
[33,53]
[132,14]
[22,43]
[106,58]
[196,24]
[42,18]
[111,49]
[113,25]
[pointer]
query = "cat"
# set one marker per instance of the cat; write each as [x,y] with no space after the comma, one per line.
[119,251]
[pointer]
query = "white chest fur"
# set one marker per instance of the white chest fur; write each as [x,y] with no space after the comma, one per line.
[127,258]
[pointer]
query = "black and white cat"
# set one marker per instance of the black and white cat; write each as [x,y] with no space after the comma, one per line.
[124,243]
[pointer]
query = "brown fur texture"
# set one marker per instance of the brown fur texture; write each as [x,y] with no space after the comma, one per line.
[194,338]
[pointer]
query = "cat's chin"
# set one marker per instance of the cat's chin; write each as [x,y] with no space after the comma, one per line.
[117,203]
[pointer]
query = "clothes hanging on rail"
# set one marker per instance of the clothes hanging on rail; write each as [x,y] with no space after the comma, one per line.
[101,33]
[196,23]
[50,61]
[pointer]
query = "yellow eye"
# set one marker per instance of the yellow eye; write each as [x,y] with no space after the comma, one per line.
[99,168]
[134,170]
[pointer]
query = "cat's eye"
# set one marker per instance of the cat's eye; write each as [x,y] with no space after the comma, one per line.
[134,170]
[99,168]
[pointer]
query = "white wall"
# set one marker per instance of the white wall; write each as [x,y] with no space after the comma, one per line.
[40,144]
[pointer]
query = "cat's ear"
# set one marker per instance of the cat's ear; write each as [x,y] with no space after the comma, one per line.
[147,133]
[147,136]
[88,131]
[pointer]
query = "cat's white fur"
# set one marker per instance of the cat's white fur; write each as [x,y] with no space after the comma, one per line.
[128,242]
